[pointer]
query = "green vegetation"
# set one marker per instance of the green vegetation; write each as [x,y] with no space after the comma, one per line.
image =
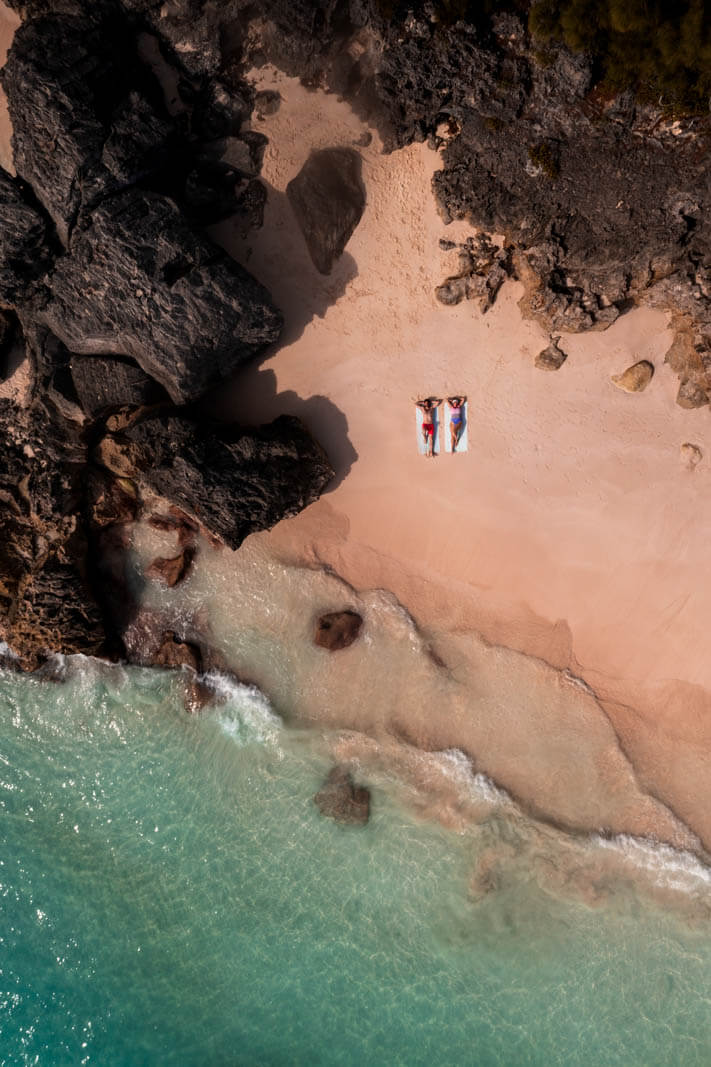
[659,48]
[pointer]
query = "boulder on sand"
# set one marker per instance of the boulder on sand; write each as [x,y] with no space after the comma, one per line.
[327,198]
[341,799]
[636,378]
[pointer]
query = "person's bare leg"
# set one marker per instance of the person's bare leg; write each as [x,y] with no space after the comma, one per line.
[454,432]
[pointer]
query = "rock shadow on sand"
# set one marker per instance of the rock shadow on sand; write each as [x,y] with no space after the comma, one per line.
[277,255]
[252,397]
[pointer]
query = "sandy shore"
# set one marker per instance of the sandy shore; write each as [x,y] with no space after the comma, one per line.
[571,530]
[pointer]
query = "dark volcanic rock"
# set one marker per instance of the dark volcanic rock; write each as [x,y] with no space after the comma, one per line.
[25,245]
[327,198]
[233,480]
[337,629]
[87,117]
[341,799]
[103,384]
[140,282]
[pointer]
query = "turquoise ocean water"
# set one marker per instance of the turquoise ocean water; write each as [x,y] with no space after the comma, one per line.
[170,894]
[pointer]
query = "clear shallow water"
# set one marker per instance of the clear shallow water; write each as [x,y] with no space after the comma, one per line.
[169,894]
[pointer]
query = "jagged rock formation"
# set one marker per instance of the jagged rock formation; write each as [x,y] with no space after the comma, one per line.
[483,269]
[122,306]
[140,282]
[327,198]
[341,799]
[46,601]
[25,243]
[603,200]
[104,384]
[233,480]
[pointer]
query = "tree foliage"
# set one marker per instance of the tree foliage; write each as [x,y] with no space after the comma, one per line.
[659,48]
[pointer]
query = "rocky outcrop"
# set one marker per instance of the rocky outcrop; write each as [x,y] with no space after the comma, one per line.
[130,310]
[25,242]
[327,198]
[483,269]
[341,799]
[232,480]
[337,630]
[104,384]
[86,115]
[141,283]
[636,378]
[46,600]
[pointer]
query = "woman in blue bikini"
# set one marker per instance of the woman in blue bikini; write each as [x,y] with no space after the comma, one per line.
[456,408]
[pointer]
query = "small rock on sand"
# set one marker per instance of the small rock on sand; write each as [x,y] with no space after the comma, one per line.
[636,378]
[337,630]
[551,358]
[341,799]
[691,455]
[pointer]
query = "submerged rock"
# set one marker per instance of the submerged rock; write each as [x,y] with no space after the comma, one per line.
[337,630]
[341,799]
[174,569]
[140,282]
[551,358]
[636,378]
[327,198]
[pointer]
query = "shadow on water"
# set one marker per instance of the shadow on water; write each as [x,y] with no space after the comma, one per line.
[277,256]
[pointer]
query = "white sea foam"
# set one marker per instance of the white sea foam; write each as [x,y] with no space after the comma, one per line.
[670,868]
[458,766]
[247,716]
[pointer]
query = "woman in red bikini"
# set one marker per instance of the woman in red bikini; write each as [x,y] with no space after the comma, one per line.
[428,408]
